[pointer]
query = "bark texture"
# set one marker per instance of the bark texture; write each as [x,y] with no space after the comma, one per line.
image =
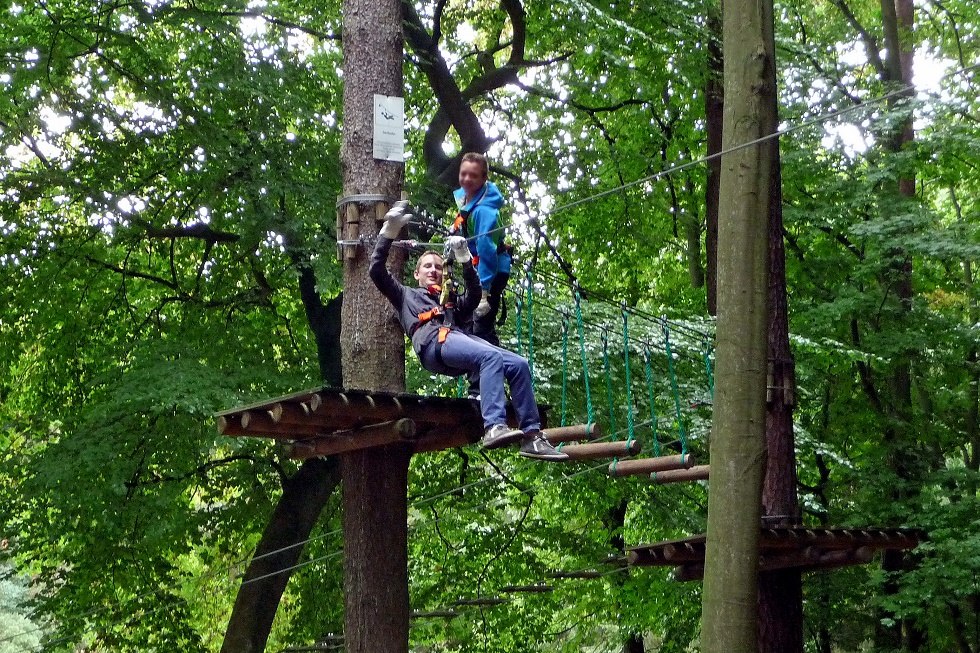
[780,592]
[714,110]
[737,442]
[376,603]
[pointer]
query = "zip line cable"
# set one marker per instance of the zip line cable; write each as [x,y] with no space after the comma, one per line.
[735,148]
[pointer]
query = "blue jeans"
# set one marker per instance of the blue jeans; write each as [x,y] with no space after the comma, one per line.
[466,353]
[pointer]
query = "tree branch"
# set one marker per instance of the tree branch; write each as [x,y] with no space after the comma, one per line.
[198,230]
[205,468]
[870,42]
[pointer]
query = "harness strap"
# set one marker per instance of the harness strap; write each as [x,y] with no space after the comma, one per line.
[424,317]
[459,223]
[440,340]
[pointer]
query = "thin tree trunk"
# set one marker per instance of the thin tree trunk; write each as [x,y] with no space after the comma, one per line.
[292,521]
[375,481]
[729,617]
[897,23]
[714,101]
[632,642]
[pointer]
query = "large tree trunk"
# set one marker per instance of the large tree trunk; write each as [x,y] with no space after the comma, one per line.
[299,507]
[376,603]
[738,430]
[780,592]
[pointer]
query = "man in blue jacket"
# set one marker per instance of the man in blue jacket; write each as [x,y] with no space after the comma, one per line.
[426,317]
[479,202]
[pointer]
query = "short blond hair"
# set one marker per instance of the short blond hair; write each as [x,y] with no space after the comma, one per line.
[428,252]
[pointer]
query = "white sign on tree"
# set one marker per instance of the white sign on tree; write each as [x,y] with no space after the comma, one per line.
[389,128]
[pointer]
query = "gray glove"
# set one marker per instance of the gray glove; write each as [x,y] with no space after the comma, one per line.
[461,252]
[484,306]
[395,219]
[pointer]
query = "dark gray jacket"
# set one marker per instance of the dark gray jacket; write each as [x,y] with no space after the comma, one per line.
[410,302]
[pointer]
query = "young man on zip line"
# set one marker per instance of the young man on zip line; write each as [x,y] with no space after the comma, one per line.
[428,316]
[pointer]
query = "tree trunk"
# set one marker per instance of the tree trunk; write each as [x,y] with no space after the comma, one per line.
[897,23]
[780,592]
[299,507]
[375,481]
[737,440]
[632,642]
[714,109]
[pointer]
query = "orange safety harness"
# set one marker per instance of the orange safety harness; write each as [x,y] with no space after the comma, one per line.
[448,300]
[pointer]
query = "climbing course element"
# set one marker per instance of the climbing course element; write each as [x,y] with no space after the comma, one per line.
[650,465]
[564,367]
[530,325]
[793,547]
[595,450]
[572,433]
[695,473]
[585,363]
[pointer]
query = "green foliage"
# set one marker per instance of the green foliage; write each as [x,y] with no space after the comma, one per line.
[170,172]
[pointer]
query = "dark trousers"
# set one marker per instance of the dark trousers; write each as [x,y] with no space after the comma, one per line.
[475,356]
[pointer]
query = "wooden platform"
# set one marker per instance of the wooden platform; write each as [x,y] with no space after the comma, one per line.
[808,549]
[327,421]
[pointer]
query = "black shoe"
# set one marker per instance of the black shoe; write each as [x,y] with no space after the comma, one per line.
[535,446]
[499,435]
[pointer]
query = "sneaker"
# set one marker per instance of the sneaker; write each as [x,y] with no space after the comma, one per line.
[499,435]
[535,446]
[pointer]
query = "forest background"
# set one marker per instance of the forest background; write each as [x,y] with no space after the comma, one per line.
[169,178]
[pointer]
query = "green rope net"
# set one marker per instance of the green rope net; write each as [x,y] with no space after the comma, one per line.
[677,396]
[585,363]
[630,426]
[653,406]
[564,368]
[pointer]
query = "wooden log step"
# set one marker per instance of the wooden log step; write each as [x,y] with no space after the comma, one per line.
[258,423]
[375,435]
[650,465]
[809,558]
[646,557]
[528,589]
[844,558]
[684,552]
[434,614]
[789,559]
[486,600]
[696,473]
[827,538]
[583,573]
[572,433]
[594,450]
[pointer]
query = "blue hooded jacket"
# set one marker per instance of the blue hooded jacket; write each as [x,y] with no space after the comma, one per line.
[483,217]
